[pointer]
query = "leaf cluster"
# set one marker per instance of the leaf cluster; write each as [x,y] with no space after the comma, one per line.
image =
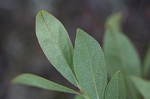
[86,65]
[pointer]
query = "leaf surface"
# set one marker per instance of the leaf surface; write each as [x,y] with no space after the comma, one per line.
[89,65]
[143,86]
[55,43]
[120,54]
[116,87]
[36,81]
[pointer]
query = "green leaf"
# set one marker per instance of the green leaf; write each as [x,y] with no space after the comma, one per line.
[79,97]
[116,87]
[143,86]
[36,81]
[120,54]
[89,65]
[147,63]
[55,43]
[132,92]
[114,21]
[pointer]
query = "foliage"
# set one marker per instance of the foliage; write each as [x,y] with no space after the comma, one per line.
[121,55]
[84,65]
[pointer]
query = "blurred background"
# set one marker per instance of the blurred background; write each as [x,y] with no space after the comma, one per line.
[21,53]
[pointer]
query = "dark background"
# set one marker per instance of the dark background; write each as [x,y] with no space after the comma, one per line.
[20,51]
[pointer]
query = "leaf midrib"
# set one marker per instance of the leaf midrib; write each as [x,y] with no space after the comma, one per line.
[91,67]
[57,44]
[74,82]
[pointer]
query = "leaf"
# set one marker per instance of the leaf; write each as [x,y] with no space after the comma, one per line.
[146,63]
[79,97]
[36,81]
[143,86]
[132,92]
[116,87]
[120,54]
[89,65]
[114,21]
[55,43]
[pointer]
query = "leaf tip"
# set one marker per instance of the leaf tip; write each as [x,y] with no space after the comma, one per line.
[118,73]
[19,78]
[42,12]
[13,81]
[80,32]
